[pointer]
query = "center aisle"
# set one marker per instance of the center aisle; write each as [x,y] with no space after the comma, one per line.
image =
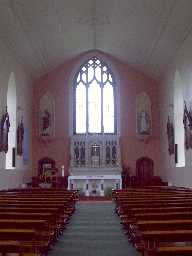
[94,230]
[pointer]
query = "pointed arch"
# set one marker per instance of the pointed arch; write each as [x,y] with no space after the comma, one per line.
[94,105]
[178,119]
[12,110]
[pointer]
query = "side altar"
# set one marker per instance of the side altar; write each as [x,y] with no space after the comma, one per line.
[95,166]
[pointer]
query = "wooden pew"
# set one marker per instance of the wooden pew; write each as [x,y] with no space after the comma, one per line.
[38,225]
[34,210]
[18,248]
[21,240]
[145,240]
[132,213]
[163,224]
[164,217]
[185,250]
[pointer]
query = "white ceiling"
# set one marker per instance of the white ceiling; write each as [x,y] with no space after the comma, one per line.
[146,34]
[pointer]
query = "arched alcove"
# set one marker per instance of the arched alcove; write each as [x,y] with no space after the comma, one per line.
[11,107]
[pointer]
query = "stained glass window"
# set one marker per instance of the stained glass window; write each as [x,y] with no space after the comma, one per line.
[94,98]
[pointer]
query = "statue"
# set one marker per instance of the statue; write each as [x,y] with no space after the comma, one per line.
[46,123]
[170,136]
[144,123]
[187,122]
[108,154]
[20,137]
[144,116]
[82,155]
[46,117]
[5,125]
[114,154]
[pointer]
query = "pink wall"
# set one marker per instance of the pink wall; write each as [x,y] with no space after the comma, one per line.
[130,82]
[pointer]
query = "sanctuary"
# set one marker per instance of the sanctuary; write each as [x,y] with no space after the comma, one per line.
[95,164]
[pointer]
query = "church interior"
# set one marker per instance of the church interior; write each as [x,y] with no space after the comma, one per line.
[95,127]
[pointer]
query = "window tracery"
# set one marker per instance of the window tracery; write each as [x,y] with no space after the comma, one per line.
[94,99]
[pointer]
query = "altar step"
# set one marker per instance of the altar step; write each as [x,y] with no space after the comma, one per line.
[94,230]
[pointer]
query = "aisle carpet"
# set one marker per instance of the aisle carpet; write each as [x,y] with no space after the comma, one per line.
[94,230]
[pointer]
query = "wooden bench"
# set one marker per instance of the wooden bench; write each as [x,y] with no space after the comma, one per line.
[170,251]
[29,217]
[21,240]
[153,218]
[16,247]
[163,224]
[145,240]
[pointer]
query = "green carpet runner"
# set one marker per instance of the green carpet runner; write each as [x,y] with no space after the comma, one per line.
[94,230]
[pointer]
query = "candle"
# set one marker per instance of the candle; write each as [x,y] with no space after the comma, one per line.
[62,171]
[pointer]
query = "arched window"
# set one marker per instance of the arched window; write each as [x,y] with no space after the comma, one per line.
[178,120]
[11,106]
[94,99]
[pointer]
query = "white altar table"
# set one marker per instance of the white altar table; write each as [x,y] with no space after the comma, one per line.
[94,185]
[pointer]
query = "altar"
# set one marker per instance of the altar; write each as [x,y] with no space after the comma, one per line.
[95,167]
[94,185]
